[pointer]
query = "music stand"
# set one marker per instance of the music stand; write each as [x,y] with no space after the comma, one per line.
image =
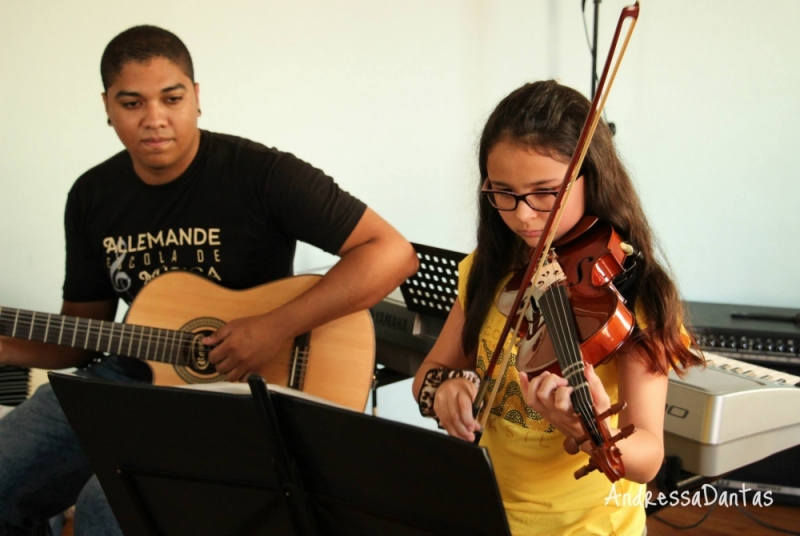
[428,296]
[434,288]
[185,461]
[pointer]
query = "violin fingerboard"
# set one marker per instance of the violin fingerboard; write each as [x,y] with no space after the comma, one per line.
[560,322]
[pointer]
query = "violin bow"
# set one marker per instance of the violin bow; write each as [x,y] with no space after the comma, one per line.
[629,14]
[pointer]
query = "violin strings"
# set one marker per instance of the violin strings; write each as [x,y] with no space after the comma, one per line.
[564,340]
[574,364]
[577,379]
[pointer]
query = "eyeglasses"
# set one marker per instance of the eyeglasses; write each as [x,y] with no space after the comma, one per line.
[541,201]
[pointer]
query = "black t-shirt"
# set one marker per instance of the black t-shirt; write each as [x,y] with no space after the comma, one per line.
[234,216]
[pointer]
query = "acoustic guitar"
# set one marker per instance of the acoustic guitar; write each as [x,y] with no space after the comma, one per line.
[172,314]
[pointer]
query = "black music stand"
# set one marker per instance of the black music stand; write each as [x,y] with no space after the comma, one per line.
[434,288]
[430,292]
[183,461]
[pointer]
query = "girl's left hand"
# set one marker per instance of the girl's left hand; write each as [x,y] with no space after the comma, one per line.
[549,395]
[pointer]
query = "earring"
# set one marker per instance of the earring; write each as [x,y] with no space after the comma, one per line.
[108,121]
[199,111]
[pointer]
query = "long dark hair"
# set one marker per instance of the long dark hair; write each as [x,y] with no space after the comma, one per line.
[548,117]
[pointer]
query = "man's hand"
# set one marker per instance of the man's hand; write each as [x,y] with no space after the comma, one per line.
[245,345]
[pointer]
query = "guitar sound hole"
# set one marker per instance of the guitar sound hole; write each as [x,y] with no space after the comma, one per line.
[198,360]
[195,366]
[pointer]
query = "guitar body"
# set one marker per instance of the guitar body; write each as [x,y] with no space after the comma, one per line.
[340,362]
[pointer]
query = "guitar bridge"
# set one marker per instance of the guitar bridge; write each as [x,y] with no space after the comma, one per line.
[299,361]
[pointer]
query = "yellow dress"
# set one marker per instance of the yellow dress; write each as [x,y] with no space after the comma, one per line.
[534,473]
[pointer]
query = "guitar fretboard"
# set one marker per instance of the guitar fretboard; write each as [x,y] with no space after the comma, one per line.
[142,342]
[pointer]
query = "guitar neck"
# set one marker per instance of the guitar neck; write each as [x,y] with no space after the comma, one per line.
[141,342]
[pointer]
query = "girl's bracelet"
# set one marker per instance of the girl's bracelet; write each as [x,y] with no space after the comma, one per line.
[435,378]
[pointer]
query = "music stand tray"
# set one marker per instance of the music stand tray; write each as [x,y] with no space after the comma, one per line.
[177,461]
[434,288]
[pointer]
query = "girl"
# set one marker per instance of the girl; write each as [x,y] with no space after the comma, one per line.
[525,149]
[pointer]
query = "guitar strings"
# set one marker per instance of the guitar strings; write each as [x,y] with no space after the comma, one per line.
[80,328]
[177,345]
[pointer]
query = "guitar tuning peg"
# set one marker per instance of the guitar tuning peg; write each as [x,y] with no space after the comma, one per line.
[613,410]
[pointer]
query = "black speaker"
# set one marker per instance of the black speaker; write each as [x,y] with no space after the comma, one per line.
[779,473]
[14,385]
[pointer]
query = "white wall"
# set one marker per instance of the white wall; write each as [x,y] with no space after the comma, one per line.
[389,97]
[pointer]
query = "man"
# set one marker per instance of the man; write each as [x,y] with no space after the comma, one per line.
[180,198]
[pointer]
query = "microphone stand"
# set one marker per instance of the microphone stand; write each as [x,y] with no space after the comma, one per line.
[611,125]
[594,48]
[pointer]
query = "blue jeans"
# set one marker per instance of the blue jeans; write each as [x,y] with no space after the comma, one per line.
[43,470]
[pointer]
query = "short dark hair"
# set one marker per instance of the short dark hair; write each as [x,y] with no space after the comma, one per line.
[142,43]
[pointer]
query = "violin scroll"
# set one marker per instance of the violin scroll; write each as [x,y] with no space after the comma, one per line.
[572,444]
[605,456]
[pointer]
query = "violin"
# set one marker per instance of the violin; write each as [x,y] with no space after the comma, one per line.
[580,318]
[584,317]
[587,259]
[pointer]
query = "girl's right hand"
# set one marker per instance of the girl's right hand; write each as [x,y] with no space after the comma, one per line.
[453,407]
